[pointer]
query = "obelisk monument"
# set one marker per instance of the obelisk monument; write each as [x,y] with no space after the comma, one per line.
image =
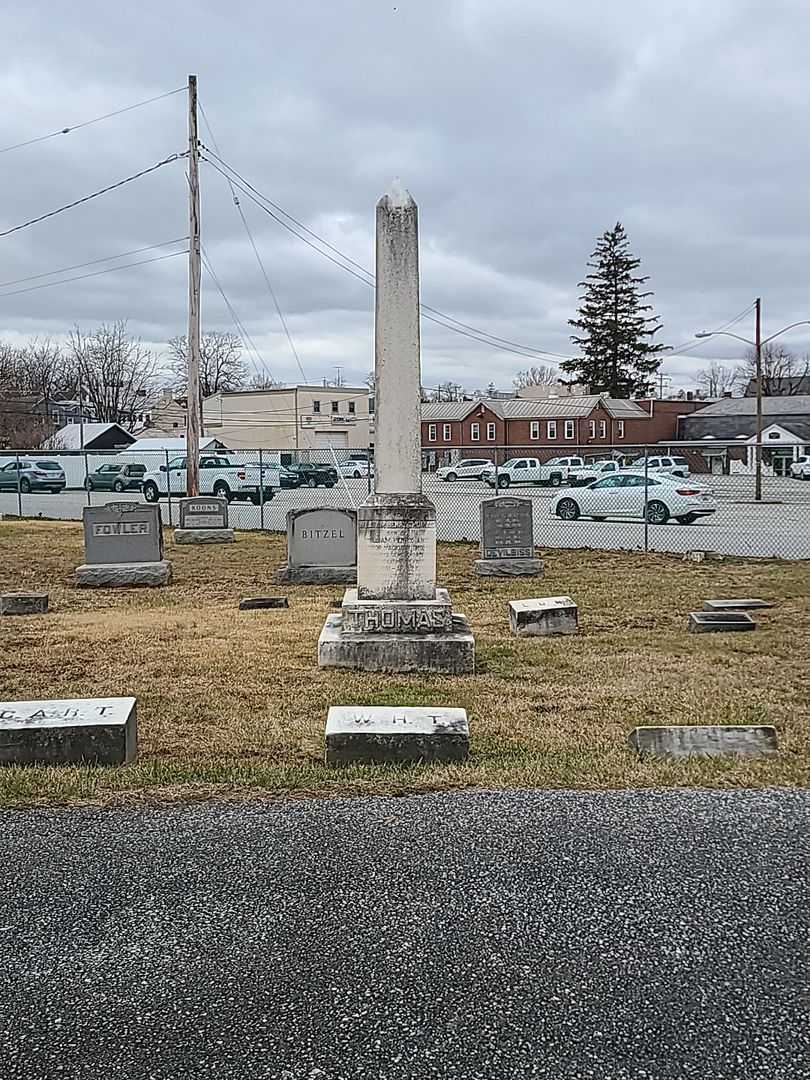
[396,619]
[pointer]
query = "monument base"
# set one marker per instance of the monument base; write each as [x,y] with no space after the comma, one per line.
[508,567]
[378,734]
[124,575]
[316,575]
[203,536]
[446,652]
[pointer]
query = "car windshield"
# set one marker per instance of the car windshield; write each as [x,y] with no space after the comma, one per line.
[555,461]
[49,466]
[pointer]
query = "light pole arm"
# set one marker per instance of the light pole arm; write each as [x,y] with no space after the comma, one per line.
[802,322]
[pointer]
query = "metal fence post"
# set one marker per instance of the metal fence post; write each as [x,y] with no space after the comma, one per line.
[168,486]
[86,474]
[646,499]
[261,490]
[19,489]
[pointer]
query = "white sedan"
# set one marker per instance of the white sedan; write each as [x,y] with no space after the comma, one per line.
[356,468]
[623,496]
[468,469]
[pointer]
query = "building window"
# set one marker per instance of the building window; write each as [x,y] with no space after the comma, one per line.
[351,406]
[475,432]
[602,429]
[534,429]
[620,429]
[316,406]
[447,432]
[491,432]
[335,406]
[569,429]
[551,429]
[431,433]
[591,430]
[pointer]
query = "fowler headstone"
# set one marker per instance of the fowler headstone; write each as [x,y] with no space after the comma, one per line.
[123,546]
[75,731]
[396,619]
[507,539]
[363,734]
[203,520]
[709,740]
[20,603]
[543,617]
[321,547]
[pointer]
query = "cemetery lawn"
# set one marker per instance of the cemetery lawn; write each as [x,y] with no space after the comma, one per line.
[231,704]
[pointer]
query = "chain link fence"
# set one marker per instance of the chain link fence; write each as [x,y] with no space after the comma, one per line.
[678,498]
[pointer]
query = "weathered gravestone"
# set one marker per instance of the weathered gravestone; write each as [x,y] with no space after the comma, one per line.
[704,740]
[543,617]
[719,622]
[20,603]
[76,731]
[123,545]
[203,520]
[749,603]
[507,539]
[371,734]
[321,547]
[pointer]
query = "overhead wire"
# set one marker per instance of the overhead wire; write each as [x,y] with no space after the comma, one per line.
[241,329]
[95,273]
[87,123]
[92,262]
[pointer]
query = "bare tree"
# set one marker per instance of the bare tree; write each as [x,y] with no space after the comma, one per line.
[448,391]
[717,379]
[783,373]
[118,375]
[221,364]
[265,382]
[535,376]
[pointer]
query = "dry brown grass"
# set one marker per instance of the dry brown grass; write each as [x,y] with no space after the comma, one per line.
[233,703]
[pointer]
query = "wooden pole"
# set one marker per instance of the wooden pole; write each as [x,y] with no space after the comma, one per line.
[758,355]
[193,423]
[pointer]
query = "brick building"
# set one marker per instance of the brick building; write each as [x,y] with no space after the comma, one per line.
[588,424]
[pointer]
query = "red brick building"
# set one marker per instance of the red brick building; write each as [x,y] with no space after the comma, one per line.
[547,428]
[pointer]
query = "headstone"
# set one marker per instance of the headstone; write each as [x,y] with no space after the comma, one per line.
[376,734]
[123,546]
[701,556]
[321,547]
[203,520]
[507,539]
[20,603]
[76,731]
[748,604]
[396,619]
[254,603]
[708,740]
[543,617]
[719,622]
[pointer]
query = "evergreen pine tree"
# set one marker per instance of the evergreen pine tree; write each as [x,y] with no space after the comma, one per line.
[617,335]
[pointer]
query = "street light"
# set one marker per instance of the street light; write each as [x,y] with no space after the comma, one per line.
[757,344]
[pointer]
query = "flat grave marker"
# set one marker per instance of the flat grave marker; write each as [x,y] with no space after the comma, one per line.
[747,604]
[373,734]
[719,622]
[704,740]
[22,603]
[72,731]
[543,617]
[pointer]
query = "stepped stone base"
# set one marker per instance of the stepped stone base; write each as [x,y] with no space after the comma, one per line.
[449,652]
[316,575]
[124,575]
[204,536]
[508,567]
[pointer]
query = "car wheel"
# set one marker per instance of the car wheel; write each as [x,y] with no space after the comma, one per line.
[25,486]
[568,510]
[657,513]
[331,484]
[451,476]
[150,492]
[686,519]
[312,482]
[222,491]
[357,475]
[503,481]
[118,486]
[555,480]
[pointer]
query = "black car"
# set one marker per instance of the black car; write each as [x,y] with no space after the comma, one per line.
[309,474]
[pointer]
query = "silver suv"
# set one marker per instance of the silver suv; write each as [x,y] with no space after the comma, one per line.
[675,466]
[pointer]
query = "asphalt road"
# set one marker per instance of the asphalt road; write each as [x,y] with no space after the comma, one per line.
[613,936]
[778,527]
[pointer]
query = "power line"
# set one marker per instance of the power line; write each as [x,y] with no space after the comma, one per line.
[236,320]
[96,273]
[93,195]
[92,262]
[265,275]
[95,120]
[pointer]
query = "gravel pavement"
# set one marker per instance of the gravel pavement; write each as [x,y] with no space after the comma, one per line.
[487,935]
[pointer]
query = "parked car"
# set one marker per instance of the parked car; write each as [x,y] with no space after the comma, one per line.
[532,471]
[288,479]
[356,468]
[468,469]
[594,470]
[116,478]
[35,475]
[623,495]
[676,466]
[312,474]
[219,476]
[800,468]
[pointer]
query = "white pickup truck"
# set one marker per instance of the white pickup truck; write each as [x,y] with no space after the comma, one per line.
[219,475]
[532,471]
[594,470]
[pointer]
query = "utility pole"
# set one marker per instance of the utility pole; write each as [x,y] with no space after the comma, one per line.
[193,424]
[758,356]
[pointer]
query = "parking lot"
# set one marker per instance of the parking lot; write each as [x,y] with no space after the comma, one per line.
[779,526]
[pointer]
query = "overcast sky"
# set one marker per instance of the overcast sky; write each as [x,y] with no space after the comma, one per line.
[523,129]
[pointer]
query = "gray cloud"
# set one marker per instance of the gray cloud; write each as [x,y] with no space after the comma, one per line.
[521,131]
